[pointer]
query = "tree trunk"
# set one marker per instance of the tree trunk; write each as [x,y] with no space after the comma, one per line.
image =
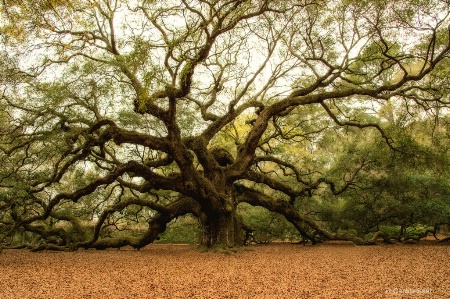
[220,230]
[220,224]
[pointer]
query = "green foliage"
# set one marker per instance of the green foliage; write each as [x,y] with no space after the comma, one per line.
[184,229]
[266,226]
[417,231]
[393,231]
[403,186]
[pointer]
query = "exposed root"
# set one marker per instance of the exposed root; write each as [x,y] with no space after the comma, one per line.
[445,240]
[51,247]
[220,249]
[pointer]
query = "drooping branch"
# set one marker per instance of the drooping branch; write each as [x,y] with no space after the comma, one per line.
[277,161]
[388,140]
[156,225]
[300,221]
[134,167]
[308,186]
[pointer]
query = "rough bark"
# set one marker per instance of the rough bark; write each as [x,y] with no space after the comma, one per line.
[220,230]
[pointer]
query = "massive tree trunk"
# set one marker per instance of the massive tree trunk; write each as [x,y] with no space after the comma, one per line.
[220,224]
[220,229]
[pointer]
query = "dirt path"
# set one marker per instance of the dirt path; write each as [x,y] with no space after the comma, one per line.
[274,271]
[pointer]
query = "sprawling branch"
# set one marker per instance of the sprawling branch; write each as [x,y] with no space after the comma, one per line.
[302,222]
[357,124]
[156,225]
[120,136]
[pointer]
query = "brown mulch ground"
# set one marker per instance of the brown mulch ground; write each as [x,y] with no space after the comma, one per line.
[274,271]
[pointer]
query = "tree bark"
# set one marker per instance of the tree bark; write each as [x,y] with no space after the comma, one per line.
[220,229]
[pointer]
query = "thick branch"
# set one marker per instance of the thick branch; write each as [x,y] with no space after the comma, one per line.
[256,198]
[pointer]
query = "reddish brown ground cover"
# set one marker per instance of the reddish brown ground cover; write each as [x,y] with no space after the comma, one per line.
[273,271]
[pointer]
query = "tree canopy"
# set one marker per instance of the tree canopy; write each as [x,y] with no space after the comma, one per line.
[120,116]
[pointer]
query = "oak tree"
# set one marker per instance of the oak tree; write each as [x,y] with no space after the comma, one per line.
[121,116]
